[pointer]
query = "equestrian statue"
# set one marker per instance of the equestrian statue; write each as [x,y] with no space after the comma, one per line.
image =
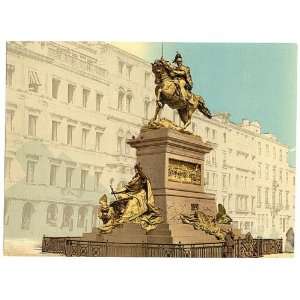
[174,87]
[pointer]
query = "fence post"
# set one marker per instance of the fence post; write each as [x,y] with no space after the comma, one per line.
[106,248]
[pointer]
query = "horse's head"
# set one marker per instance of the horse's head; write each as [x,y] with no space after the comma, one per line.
[158,69]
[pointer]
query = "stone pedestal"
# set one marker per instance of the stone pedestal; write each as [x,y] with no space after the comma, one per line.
[174,163]
[126,233]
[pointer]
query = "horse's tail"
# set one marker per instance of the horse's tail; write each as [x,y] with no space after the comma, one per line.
[203,108]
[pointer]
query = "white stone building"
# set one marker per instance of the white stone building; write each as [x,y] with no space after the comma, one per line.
[70,108]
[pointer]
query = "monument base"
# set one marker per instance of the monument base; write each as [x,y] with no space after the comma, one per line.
[126,233]
[163,234]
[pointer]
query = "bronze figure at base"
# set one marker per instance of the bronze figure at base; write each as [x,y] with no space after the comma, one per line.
[134,204]
[209,224]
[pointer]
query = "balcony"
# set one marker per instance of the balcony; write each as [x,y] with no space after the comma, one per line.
[66,57]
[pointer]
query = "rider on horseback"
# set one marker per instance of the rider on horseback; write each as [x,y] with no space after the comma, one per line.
[182,77]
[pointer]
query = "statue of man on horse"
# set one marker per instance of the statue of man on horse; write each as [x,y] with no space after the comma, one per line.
[173,87]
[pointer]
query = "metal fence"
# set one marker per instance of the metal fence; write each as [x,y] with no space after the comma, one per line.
[70,246]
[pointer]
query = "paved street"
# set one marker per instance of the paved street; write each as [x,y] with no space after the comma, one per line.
[23,247]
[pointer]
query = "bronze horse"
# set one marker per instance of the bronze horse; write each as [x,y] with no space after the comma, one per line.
[167,92]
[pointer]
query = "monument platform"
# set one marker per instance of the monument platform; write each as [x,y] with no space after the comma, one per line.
[174,163]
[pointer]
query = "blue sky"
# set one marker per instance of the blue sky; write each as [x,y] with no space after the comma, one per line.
[252,81]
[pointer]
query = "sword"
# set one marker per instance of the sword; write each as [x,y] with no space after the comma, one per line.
[112,191]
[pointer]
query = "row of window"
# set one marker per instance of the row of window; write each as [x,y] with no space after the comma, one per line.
[274,152]
[126,69]
[274,173]
[67,221]
[242,203]
[69,172]
[274,196]
[122,146]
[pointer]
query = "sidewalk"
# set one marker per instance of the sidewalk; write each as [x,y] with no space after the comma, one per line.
[24,247]
[280,255]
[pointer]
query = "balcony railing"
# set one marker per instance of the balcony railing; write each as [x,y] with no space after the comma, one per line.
[78,64]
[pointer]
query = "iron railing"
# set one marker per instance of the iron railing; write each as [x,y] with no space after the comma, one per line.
[75,246]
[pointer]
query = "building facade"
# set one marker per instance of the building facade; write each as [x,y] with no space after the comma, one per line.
[70,107]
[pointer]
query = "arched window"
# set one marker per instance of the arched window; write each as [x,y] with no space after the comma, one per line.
[27,213]
[82,219]
[127,146]
[68,214]
[120,141]
[128,101]
[121,95]
[95,217]
[52,214]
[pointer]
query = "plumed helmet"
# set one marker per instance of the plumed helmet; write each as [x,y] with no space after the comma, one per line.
[178,55]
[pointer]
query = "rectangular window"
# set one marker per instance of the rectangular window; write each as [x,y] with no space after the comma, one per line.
[55,87]
[207,132]
[83,179]
[280,155]
[259,148]
[267,149]
[274,172]
[274,153]
[97,181]
[128,103]
[213,134]
[30,171]
[224,137]
[146,79]
[280,198]
[69,173]
[286,200]
[32,125]
[9,116]
[128,73]
[258,197]
[267,172]
[10,69]
[85,95]
[207,178]
[280,175]
[84,137]
[259,170]
[224,181]
[266,196]
[98,102]
[54,131]
[121,65]
[8,162]
[98,141]
[70,135]
[71,90]
[53,172]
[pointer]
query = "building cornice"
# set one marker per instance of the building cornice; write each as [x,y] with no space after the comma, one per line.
[19,50]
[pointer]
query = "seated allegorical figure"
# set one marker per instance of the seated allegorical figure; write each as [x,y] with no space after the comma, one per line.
[134,204]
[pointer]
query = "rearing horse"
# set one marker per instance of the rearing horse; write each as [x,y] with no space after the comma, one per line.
[167,92]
